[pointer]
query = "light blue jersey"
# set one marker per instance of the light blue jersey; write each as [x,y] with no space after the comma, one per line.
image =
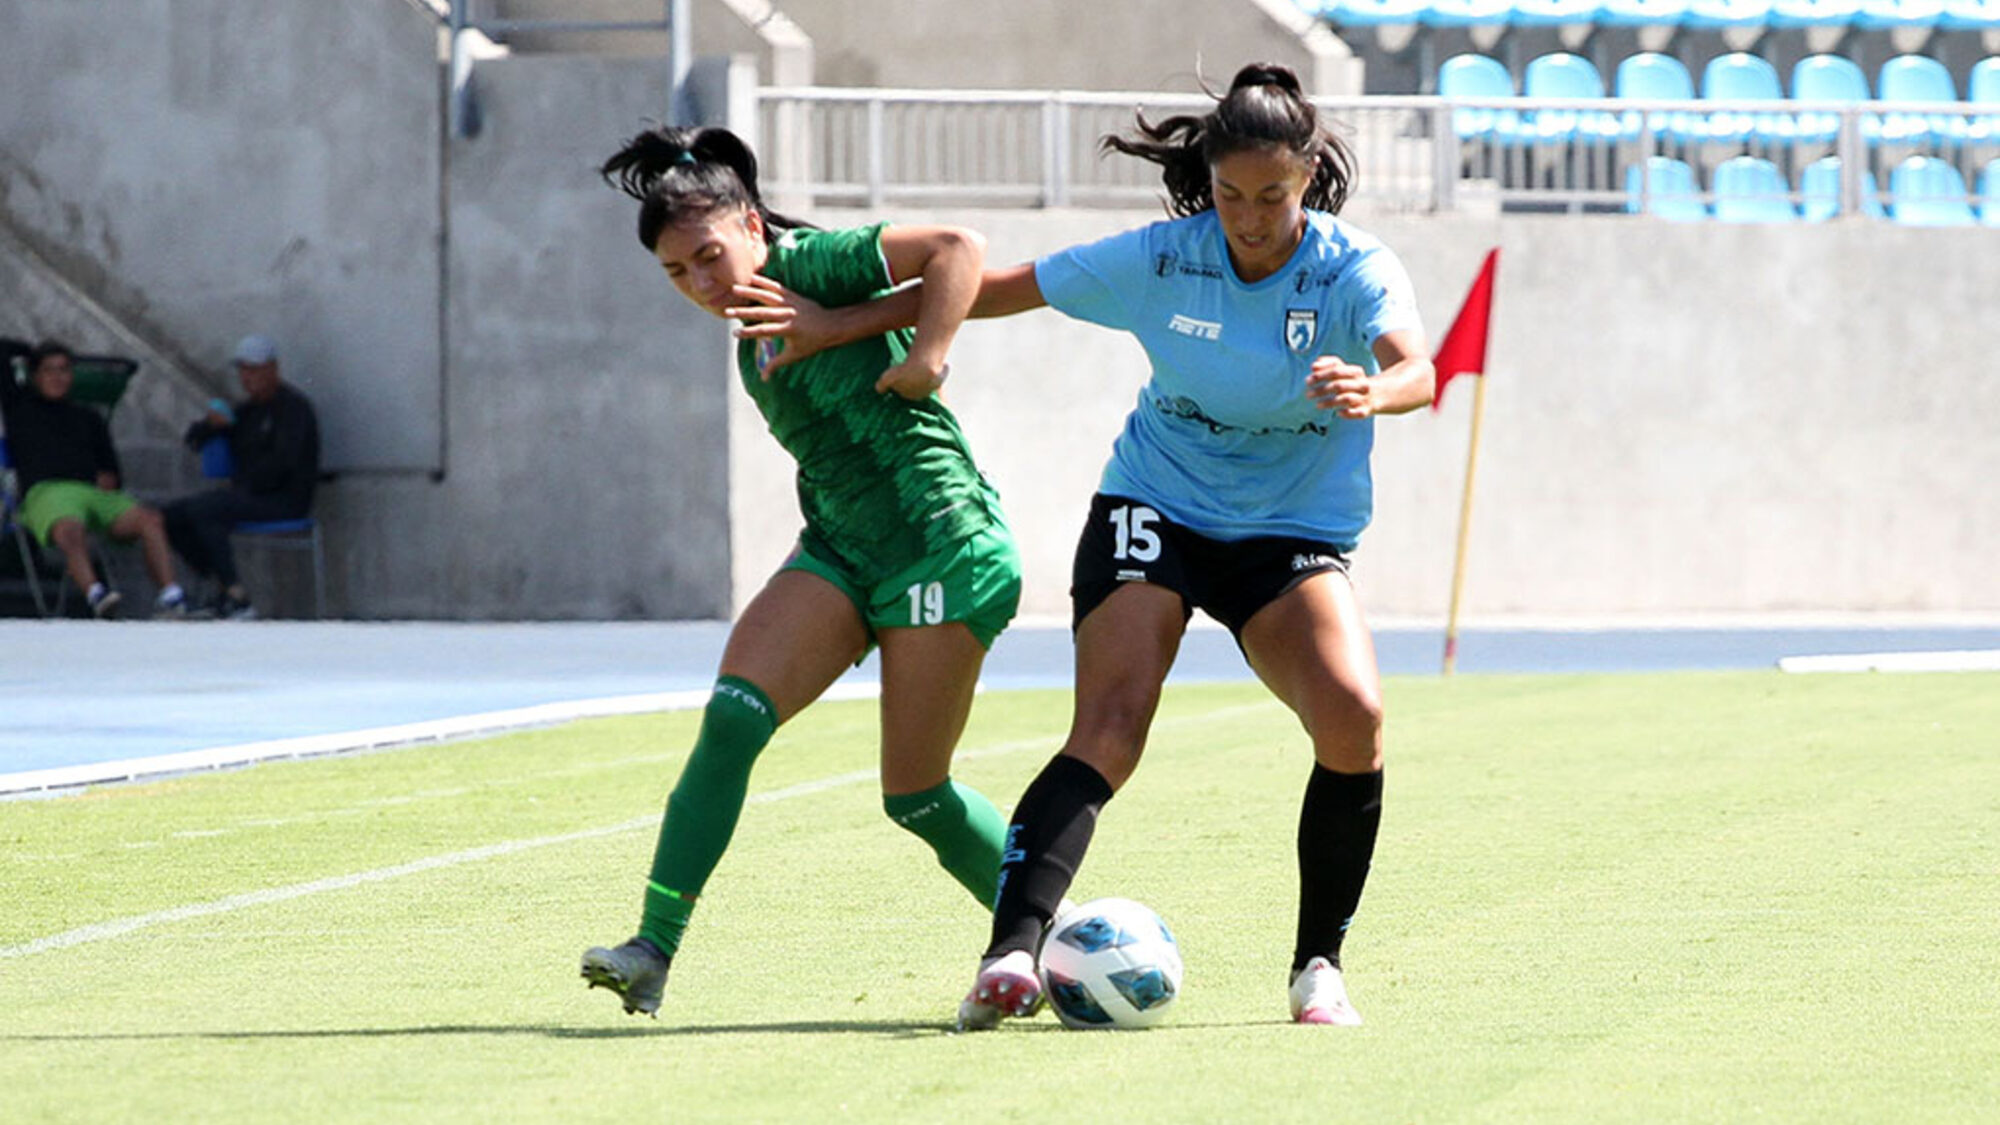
[1224,440]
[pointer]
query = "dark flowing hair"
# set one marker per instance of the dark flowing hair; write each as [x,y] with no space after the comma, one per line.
[678,173]
[1264,106]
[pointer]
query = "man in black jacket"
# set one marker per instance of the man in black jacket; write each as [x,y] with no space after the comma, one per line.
[272,438]
[68,475]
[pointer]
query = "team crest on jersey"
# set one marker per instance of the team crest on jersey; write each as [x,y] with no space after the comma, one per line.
[1301,327]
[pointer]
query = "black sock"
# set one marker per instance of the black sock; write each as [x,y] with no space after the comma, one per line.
[1045,843]
[1337,827]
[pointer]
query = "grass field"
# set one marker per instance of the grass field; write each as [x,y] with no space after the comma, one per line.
[1701,897]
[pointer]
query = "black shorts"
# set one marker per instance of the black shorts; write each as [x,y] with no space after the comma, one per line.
[1127,541]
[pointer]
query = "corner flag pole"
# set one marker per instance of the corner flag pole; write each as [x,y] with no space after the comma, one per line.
[1463,352]
[1464,529]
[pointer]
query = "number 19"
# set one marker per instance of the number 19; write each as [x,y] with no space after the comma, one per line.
[926,603]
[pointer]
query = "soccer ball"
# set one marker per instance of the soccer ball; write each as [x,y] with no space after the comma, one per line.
[1110,963]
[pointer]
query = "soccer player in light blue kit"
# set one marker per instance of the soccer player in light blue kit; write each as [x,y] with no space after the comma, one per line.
[1276,332]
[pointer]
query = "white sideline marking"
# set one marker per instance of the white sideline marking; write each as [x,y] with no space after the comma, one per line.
[119,927]
[123,926]
[374,738]
[1969,660]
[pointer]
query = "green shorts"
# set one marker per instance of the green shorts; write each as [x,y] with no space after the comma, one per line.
[977,582]
[52,501]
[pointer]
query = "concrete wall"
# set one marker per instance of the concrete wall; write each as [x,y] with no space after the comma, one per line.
[208,168]
[523,425]
[586,475]
[950,43]
[1129,45]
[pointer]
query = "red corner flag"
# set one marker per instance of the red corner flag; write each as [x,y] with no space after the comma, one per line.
[1463,351]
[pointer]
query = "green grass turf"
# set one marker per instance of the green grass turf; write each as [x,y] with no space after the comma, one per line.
[1713,897]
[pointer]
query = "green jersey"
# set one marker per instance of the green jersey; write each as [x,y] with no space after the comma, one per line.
[882,481]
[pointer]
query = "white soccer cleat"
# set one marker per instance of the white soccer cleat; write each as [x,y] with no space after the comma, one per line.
[1007,986]
[1320,996]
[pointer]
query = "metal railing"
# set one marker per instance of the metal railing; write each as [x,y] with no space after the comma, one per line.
[861,147]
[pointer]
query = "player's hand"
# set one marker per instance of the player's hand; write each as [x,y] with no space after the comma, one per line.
[768,310]
[913,379]
[1335,384]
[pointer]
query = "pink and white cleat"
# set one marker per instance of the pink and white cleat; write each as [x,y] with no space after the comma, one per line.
[1320,996]
[1007,986]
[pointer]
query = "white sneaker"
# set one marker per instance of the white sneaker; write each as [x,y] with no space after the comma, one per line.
[172,602]
[103,602]
[1006,986]
[1320,996]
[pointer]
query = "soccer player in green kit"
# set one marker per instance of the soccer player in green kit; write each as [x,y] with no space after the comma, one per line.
[904,545]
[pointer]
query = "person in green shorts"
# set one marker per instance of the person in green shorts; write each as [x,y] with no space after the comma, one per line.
[68,473]
[904,545]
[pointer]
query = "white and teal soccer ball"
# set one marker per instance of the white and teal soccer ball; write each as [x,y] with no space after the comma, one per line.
[1110,963]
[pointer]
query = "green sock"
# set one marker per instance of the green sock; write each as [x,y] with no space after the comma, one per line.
[702,810]
[962,827]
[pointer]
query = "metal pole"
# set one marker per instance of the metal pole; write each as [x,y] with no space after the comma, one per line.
[1852,153]
[1444,159]
[460,109]
[680,57]
[1055,152]
[876,157]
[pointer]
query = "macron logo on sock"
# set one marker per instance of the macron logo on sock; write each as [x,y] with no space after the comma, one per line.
[748,699]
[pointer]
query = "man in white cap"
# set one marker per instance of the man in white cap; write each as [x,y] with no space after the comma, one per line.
[272,443]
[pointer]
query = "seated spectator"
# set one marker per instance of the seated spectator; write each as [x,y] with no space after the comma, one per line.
[69,479]
[273,439]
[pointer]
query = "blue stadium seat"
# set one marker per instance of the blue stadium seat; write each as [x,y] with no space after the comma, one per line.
[1645,13]
[1830,78]
[1667,188]
[1373,13]
[1715,15]
[1982,87]
[1819,191]
[1468,13]
[1477,76]
[1888,15]
[1919,78]
[1553,13]
[1813,13]
[1970,15]
[1750,189]
[1563,75]
[1652,76]
[1989,194]
[1743,77]
[1928,192]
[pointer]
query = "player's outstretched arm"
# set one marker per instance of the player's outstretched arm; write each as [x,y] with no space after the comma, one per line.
[771,310]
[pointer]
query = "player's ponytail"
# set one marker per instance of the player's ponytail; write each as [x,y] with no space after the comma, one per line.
[1265,105]
[678,173]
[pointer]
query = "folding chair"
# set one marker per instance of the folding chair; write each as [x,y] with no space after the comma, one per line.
[33,568]
[301,534]
[99,382]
